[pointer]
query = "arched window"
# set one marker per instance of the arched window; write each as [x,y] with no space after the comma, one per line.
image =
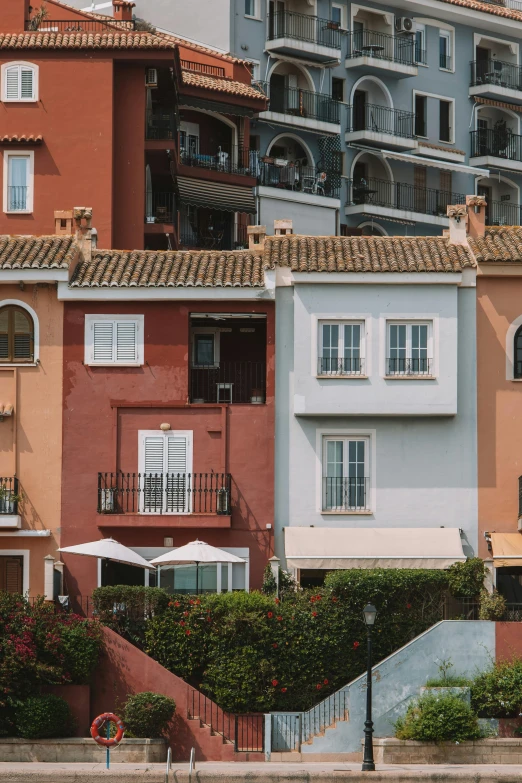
[19,82]
[517,354]
[16,335]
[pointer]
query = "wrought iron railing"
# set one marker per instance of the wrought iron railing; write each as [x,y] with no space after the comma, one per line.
[445,61]
[345,493]
[340,366]
[303,103]
[304,27]
[208,70]
[245,732]
[220,235]
[160,124]
[164,493]
[399,195]
[381,46]
[496,72]
[411,366]
[304,179]
[381,119]
[16,197]
[421,55]
[503,213]
[79,25]
[228,159]
[469,609]
[159,207]
[500,143]
[9,494]
[229,382]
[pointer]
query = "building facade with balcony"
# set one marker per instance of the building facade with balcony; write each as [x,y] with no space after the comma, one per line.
[415,108]
[169,375]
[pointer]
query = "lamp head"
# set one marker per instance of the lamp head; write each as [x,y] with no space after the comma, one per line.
[369,614]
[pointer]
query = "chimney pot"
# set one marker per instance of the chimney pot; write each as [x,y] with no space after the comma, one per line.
[457,224]
[122,10]
[83,220]
[256,237]
[476,216]
[63,222]
[283,227]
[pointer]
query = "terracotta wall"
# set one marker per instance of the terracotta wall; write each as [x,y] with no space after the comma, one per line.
[31,441]
[499,303]
[105,407]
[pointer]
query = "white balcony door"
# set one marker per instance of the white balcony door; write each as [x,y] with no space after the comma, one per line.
[165,465]
[345,469]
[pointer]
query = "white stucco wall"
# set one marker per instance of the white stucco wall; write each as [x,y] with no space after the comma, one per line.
[311,219]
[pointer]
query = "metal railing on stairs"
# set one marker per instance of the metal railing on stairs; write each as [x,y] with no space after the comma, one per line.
[245,732]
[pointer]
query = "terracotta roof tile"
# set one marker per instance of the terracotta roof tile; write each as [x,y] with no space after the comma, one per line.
[366,254]
[440,147]
[112,39]
[165,269]
[46,252]
[488,8]
[501,245]
[21,138]
[192,79]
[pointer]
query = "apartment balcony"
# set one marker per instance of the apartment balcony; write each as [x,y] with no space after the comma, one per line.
[496,148]
[303,35]
[9,499]
[166,500]
[210,229]
[200,157]
[397,200]
[496,79]
[160,125]
[381,126]
[503,213]
[380,53]
[304,109]
[300,183]
[346,495]
[159,210]
[228,382]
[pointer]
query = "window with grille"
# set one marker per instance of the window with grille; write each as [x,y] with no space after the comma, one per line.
[341,348]
[345,474]
[16,335]
[114,340]
[410,349]
[19,82]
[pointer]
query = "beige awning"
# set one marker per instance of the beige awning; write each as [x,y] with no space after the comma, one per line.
[507,549]
[349,547]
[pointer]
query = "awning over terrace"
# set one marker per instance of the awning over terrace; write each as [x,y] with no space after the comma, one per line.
[507,549]
[318,548]
[216,195]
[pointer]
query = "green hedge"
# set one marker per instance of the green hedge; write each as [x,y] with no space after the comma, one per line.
[41,717]
[148,714]
[438,719]
[126,609]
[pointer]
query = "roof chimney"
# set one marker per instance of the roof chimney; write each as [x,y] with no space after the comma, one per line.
[457,224]
[283,227]
[122,10]
[256,237]
[63,222]
[476,216]
[15,13]
[83,219]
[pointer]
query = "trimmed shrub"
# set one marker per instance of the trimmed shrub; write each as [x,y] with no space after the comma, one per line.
[492,606]
[42,717]
[438,719]
[497,693]
[467,579]
[126,609]
[148,714]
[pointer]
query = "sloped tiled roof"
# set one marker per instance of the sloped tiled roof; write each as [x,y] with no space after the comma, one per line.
[164,269]
[366,254]
[501,245]
[192,79]
[49,252]
[21,138]
[112,39]
[488,8]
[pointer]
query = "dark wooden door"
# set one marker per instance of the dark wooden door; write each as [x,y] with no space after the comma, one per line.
[11,572]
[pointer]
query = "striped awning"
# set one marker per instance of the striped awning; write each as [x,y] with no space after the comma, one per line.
[497,104]
[228,198]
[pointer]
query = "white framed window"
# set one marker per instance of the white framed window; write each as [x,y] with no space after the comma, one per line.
[409,348]
[114,340]
[165,465]
[337,15]
[205,347]
[445,63]
[18,182]
[19,82]
[420,44]
[346,473]
[251,8]
[341,348]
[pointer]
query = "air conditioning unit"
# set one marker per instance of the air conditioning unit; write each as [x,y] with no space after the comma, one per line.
[151,79]
[404,24]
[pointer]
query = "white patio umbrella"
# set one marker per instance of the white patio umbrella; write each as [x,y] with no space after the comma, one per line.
[196,552]
[109,549]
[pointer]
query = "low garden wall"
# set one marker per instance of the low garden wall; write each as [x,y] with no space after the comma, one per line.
[486,751]
[134,751]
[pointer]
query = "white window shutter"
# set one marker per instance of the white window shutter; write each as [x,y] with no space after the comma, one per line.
[153,467]
[103,341]
[27,83]
[154,447]
[126,341]
[177,448]
[12,92]
[178,483]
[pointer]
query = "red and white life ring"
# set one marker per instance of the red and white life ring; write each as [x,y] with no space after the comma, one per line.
[99,722]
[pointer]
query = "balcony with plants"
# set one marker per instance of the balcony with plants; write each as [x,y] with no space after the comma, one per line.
[496,71]
[10,497]
[496,141]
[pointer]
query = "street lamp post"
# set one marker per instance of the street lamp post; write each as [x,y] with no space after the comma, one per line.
[368,765]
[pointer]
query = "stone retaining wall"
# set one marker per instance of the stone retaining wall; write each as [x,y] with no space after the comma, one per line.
[487,751]
[73,749]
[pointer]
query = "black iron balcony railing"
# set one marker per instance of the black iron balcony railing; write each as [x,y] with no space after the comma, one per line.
[228,382]
[208,70]
[228,159]
[302,27]
[9,495]
[16,197]
[381,119]
[496,72]
[402,366]
[303,179]
[500,143]
[503,213]
[420,55]
[345,494]
[303,103]
[164,493]
[160,124]
[399,195]
[340,366]
[78,25]
[215,236]
[159,207]
[444,61]
[381,46]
